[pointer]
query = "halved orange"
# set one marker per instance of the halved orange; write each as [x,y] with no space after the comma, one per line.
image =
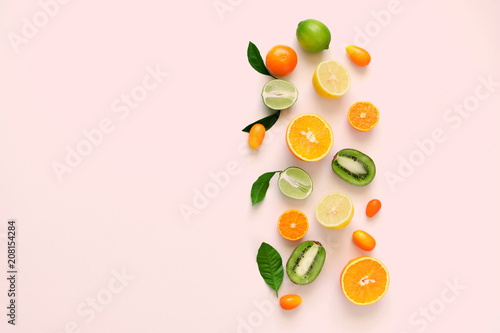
[293,224]
[309,137]
[364,280]
[363,116]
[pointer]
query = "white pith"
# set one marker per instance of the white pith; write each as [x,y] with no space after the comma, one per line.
[309,136]
[295,183]
[332,76]
[366,280]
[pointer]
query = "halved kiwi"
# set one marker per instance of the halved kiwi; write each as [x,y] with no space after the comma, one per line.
[305,262]
[354,167]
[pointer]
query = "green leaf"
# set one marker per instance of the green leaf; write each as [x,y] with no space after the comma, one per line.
[255,59]
[260,186]
[270,266]
[268,121]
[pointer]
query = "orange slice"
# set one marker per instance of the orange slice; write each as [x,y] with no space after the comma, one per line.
[309,137]
[293,224]
[363,116]
[364,280]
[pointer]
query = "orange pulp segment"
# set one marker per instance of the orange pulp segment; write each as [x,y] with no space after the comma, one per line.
[293,224]
[364,280]
[363,116]
[309,137]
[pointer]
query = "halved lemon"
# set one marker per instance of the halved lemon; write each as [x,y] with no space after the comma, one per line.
[331,79]
[335,211]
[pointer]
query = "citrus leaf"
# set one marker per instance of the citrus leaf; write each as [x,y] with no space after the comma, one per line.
[260,186]
[270,266]
[268,121]
[255,59]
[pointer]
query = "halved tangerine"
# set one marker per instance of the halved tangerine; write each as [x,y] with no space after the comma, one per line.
[293,224]
[363,116]
[364,280]
[309,137]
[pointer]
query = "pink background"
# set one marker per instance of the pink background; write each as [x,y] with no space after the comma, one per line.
[119,211]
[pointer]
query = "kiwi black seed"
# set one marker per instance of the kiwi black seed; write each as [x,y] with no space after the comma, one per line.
[354,167]
[305,262]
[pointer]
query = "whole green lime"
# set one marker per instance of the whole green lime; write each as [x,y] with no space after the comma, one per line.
[313,35]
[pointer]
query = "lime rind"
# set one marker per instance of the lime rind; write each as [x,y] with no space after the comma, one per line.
[279,94]
[313,35]
[295,183]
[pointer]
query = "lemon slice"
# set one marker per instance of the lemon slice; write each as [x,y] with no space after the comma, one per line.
[331,79]
[335,211]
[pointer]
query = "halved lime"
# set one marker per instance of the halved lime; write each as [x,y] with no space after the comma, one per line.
[295,183]
[279,94]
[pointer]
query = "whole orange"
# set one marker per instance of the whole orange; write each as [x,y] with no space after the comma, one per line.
[281,60]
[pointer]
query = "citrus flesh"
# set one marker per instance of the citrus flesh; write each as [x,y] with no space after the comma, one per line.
[309,137]
[335,211]
[331,79]
[363,116]
[279,94]
[295,183]
[293,224]
[364,280]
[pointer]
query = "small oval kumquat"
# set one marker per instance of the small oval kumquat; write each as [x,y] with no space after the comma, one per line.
[358,55]
[363,240]
[373,207]
[256,135]
[290,302]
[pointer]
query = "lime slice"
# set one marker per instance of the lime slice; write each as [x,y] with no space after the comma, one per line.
[295,183]
[279,94]
[335,211]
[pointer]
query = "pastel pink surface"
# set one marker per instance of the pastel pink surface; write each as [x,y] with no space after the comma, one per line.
[153,231]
